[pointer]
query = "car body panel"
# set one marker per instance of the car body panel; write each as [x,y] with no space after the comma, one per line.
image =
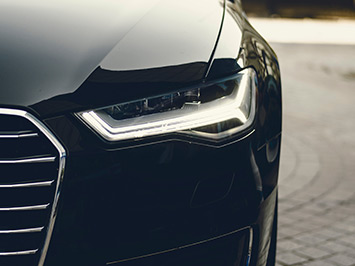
[55,46]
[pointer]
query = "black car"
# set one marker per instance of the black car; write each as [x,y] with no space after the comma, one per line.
[136,133]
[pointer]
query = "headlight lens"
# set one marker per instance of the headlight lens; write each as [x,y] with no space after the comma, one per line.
[214,111]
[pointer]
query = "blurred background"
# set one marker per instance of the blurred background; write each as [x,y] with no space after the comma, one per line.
[300,8]
[315,44]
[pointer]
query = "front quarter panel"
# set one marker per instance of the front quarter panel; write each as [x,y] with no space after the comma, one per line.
[240,46]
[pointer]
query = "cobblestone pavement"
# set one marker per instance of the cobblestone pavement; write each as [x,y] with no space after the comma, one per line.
[317,176]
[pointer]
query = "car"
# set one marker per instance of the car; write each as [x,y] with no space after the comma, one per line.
[137,133]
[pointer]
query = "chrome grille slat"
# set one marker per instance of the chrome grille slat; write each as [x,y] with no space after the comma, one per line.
[26,208]
[17,253]
[17,135]
[28,185]
[32,164]
[30,160]
[21,231]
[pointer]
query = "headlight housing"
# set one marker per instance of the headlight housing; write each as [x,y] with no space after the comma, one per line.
[214,111]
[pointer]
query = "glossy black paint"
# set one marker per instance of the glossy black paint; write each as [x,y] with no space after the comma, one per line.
[124,200]
[58,49]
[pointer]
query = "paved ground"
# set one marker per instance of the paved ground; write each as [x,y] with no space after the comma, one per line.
[317,177]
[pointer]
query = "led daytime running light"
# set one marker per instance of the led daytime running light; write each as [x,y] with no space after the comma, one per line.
[239,105]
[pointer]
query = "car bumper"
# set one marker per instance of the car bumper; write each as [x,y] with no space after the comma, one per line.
[160,201]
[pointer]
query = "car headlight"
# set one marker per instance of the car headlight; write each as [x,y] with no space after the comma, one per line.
[213,111]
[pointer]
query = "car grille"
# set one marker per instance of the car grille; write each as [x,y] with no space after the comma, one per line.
[31,169]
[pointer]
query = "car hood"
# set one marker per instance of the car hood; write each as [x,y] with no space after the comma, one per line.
[53,53]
